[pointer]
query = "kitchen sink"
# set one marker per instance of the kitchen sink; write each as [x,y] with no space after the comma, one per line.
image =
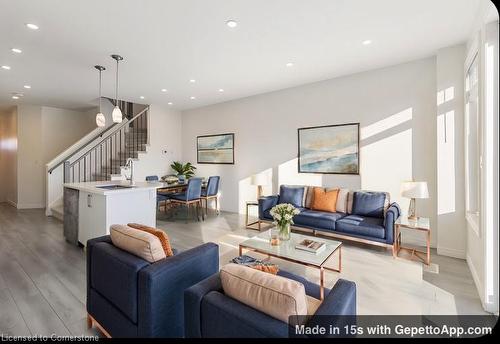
[114,187]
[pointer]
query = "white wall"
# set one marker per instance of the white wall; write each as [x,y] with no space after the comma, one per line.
[396,107]
[165,129]
[450,152]
[8,156]
[44,132]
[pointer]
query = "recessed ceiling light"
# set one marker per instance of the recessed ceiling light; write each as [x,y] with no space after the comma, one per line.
[164,90]
[231,23]
[142,97]
[367,42]
[289,64]
[221,90]
[6,67]
[192,97]
[32,26]
[27,86]
[170,103]
[15,97]
[16,50]
[192,81]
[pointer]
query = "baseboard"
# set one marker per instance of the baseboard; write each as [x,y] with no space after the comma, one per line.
[475,277]
[12,203]
[30,206]
[451,252]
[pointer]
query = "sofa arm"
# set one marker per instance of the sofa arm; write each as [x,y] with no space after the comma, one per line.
[340,301]
[391,216]
[266,203]
[338,307]
[90,246]
[162,285]
[193,297]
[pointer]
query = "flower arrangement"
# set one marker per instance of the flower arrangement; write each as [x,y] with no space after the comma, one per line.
[283,217]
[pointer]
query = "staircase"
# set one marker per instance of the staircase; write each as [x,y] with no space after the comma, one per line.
[101,159]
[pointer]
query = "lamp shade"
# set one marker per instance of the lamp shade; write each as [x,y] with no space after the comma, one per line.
[117,115]
[259,179]
[414,190]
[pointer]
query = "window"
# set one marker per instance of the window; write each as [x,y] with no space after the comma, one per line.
[472,151]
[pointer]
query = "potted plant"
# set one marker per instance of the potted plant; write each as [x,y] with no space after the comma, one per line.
[283,218]
[184,171]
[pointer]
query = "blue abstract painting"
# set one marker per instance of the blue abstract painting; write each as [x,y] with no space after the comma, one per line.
[329,149]
[216,149]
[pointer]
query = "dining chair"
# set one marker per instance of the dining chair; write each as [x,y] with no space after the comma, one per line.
[211,192]
[160,197]
[190,197]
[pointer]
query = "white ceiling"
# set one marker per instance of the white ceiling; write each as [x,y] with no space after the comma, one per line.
[166,43]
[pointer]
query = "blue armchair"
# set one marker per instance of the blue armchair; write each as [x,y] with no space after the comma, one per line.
[211,192]
[191,197]
[211,314]
[130,297]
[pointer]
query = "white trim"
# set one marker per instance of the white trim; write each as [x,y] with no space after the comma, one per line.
[477,281]
[473,221]
[451,252]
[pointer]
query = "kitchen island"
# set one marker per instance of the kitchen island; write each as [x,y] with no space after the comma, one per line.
[90,208]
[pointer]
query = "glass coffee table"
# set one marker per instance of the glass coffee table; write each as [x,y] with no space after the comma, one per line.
[286,250]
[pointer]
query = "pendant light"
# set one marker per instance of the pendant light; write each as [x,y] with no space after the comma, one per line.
[117,113]
[100,120]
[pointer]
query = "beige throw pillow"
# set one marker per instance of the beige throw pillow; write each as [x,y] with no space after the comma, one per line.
[309,196]
[140,243]
[342,200]
[276,296]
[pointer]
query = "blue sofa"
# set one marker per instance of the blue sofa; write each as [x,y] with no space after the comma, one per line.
[371,219]
[130,297]
[209,313]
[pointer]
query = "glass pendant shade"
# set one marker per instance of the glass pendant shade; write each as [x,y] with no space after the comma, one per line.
[117,115]
[100,120]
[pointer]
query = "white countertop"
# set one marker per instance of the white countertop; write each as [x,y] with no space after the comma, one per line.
[92,187]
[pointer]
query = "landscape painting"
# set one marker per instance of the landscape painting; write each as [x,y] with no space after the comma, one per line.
[216,149]
[332,149]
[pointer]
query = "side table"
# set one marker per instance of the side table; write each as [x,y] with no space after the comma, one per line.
[421,224]
[251,225]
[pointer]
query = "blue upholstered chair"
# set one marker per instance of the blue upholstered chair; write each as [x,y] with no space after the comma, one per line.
[159,196]
[211,192]
[190,197]
[209,313]
[130,297]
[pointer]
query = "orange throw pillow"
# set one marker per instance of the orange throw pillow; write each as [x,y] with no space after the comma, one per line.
[165,242]
[325,200]
[270,268]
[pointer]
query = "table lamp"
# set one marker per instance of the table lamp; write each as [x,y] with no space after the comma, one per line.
[414,190]
[259,180]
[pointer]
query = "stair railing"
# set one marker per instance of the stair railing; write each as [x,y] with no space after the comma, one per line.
[107,155]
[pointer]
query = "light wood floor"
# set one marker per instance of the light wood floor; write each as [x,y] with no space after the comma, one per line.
[42,278]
